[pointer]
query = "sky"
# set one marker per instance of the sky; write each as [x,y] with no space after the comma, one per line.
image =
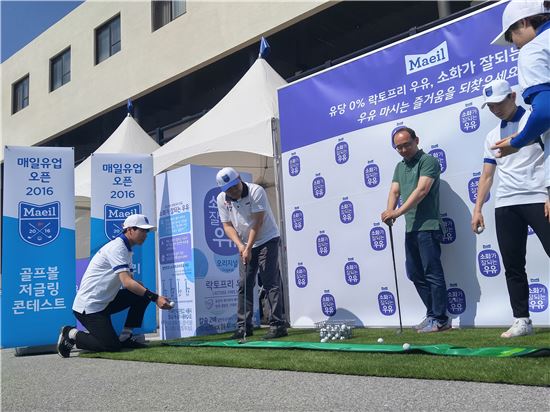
[23,20]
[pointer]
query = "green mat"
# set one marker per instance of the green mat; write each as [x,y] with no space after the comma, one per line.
[445,350]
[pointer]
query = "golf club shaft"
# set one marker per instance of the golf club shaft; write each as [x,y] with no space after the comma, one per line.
[395,277]
[244,298]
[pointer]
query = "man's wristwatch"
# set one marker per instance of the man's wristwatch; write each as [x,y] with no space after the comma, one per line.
[152,296]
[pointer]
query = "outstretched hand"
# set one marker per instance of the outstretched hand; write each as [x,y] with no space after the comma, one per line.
[504,147]
[164,303]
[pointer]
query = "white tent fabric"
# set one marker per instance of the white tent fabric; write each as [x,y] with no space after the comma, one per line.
[236,132]
[129,137]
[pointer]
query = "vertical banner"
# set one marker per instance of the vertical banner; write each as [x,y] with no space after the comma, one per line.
[38,244]
[198,264]
[176,270]
[338,162]
[123,185]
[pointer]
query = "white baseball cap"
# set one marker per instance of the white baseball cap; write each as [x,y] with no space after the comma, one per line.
[227,177]
[515,11]
[137,220]
[496,91]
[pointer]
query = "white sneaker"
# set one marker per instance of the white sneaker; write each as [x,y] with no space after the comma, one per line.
[520,327]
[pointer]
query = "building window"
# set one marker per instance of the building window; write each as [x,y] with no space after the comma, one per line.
[60,69]
[163,12]
[20,93]
[107,39]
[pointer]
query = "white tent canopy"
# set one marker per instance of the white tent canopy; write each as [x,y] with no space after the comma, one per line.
[129,137]
[236,132]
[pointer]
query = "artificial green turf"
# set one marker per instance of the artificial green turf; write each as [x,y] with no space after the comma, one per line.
[526,371]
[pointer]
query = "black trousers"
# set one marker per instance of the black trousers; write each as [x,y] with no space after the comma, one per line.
[511,227]
[265,263]
[101,335]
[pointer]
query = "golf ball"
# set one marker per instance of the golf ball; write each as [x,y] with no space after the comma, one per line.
[380,340]
[172,304]
[323,340]
[480,229]
[406,346]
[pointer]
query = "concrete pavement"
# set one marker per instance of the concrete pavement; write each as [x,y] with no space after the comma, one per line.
[50,383]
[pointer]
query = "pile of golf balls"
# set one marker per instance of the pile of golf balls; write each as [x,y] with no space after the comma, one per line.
[335,332]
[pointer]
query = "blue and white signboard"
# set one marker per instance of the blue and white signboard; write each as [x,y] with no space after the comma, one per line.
[123,185]
[198,264]
[338,162]
[38,244]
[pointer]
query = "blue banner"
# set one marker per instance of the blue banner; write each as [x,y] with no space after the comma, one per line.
[38,245]
[436,69]
[123,186]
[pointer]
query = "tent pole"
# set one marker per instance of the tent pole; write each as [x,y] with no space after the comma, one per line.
[278,172]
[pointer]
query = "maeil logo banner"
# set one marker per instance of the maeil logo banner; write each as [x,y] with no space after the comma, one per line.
[123,185]
[416,62]
[38,244]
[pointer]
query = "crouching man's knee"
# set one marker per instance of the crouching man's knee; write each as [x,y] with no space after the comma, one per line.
[111,347]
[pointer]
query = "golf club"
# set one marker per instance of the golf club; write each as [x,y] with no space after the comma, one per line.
[390,225]
[243,340]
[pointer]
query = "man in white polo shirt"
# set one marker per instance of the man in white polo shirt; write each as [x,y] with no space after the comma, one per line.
[249,222]
[519,200]
[100,295]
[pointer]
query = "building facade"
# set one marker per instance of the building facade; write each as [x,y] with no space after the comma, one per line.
[103,53]
[177,59]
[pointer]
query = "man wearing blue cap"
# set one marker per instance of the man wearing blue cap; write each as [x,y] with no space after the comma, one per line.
[519,199]
[249,222]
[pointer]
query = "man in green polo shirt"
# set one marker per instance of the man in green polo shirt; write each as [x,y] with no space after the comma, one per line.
[416,180]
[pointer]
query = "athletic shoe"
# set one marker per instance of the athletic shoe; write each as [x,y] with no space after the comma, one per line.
[422,324]
[239,333]
[133,343]
[64,343]
[435,326]
[520,327]
[139,338]
[275,332]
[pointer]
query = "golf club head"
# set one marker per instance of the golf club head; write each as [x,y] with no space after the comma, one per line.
[399,331]
[241,341]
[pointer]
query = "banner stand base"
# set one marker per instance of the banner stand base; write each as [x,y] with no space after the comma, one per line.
[35,350]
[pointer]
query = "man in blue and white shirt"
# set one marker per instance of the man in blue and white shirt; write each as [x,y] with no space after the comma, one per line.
[100,295]
[519,201]
[249,222]
[526,24]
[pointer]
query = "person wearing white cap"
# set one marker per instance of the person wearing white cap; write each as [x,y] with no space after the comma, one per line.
[249,222]
[100,295]
[526,24]
[519,201]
